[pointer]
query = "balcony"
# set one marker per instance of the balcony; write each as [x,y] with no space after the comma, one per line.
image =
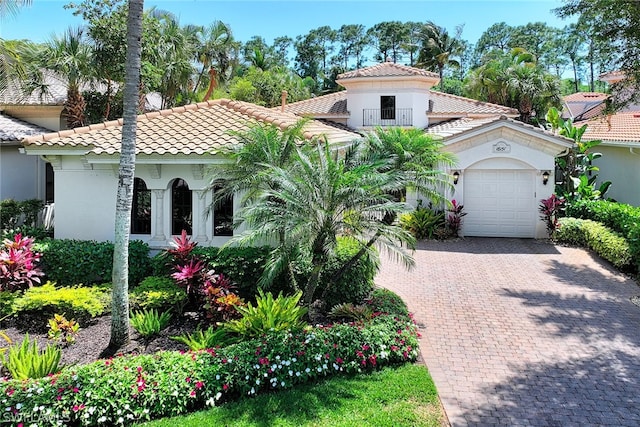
[387,117]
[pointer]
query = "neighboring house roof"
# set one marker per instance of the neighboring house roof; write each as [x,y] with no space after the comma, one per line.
[198,129]
[386,69]
[616,129]
[12,129]
[467,124]
[52,92]
[584,105]
[443,105]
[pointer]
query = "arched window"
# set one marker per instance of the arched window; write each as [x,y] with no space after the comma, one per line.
[181,207]
[222,214]
[141,208]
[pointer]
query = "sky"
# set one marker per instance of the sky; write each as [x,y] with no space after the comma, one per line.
[272,18]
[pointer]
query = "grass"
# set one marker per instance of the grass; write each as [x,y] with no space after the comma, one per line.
[402,396]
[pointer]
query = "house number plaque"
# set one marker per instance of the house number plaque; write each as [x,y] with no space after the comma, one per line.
[501,147]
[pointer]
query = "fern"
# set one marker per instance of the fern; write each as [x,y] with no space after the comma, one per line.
[26,361]
[149,323]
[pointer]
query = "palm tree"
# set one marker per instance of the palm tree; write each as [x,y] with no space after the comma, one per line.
[215,53]
[439,49]
[120,279]
[70,56]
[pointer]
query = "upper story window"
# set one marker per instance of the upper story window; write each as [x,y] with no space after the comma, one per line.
[141,208]
[181,207]
[388,107]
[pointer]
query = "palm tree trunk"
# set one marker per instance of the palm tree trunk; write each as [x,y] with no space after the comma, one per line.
[120,296]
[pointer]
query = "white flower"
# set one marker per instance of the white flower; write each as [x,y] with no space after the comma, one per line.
[40,390]
[92,380]
[307,370]
[175,393]
[282,383]
[277,357]
[297,374]
[86,415]
[129,416]
[336,367]
[102,419]
[294,360]
[126,406]
[210,402]
[246,377]
[258,381]
[217,377]
[290,373]
[18,405]
[120,420]
[145,411]
[36,408]
[253,390]
[319,369]
[218,396]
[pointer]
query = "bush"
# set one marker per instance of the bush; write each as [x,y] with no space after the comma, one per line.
[607,243]
[202,340]
[160,293]
[69,262]
[625,219]
[18,264]
[351,312]
[387,302]
[137,388]
[149,323]
[423,223]
[25,360]
[356,284]
[43,302]
[269,314]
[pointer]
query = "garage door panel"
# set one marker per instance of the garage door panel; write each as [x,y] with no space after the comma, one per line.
[500,203]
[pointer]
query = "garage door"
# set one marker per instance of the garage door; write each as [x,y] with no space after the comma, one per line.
[500,203]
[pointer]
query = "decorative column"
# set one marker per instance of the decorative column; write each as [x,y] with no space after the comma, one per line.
[158,210]
[200,214]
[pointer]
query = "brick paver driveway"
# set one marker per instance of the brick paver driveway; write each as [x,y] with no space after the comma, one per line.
[522,332]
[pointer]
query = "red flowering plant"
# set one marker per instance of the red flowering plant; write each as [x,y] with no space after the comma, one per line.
[18,264]
[207,291]
[550,210]
[454,218]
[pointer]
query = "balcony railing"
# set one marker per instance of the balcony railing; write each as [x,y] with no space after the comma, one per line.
[387,117]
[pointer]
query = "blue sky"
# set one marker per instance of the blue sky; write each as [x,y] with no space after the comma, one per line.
[271,18]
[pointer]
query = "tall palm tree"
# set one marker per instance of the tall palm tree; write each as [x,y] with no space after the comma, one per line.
[120,299]
[439,49]
[215,52]
[70,56]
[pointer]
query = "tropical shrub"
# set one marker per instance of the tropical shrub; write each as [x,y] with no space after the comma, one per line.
[454,218]
[149,323]
[26,361]
[550,210]
[269,314]
[355,284]
[9,214]
[351,312]
[607,243]
[423,223]
[14,214]
[160,293]
[387,302]
[63,331]
[43,302]
[18,264]
[204,339]
[70,262]
[129,389]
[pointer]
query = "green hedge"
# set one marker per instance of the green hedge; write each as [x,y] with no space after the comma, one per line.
[620,217]
[123,390]
[607,243]
[70,262]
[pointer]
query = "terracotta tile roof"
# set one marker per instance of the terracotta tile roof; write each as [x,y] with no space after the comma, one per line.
[460,126]
[586,97]
[443,105]
[386,69]
[12,129]
[583,105]
[331,105]
[193,129]
[447,104]
[620,128]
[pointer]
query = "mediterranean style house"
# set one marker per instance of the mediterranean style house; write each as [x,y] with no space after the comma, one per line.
[504,167]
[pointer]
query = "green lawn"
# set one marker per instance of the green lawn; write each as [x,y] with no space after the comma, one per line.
[403,396]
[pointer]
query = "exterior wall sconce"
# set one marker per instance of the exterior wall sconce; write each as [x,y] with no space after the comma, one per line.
[545,177]
[456,177]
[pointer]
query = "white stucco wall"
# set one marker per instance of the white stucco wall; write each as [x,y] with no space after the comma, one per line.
[22,177]
[47,116]
[621,166]
[86,194]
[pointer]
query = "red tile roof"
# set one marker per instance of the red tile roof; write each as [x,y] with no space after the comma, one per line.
[387,69]
[621,128]
[193,129]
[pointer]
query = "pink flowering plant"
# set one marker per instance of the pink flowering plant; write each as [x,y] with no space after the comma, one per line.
[128,389]
[19,264]
[454,218]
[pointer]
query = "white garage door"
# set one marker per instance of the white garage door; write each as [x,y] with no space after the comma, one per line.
[500,203]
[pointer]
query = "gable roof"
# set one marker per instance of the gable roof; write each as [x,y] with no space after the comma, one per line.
[198,129]
[615,129]
[387,69]
[12,129]
[467,125]
[334,105]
